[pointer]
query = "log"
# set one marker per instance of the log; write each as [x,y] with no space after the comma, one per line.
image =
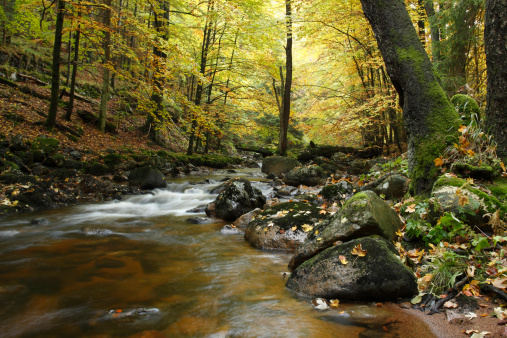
[263,151]
[31,78]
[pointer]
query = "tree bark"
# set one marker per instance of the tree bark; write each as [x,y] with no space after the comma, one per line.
[72,93]
[154,121]
[427,112]
[434,30]
[55,69]
[495,41]
[104,97]
[206,44]
[285,115]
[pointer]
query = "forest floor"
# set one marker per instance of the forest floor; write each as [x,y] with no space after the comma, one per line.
[22,113]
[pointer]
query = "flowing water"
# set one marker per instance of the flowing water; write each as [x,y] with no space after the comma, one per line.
[137,268]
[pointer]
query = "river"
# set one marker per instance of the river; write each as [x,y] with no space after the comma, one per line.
[137,268]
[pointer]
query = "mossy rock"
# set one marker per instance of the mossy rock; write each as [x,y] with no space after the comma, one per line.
[311,175]
[283,226]
[112,159]
[466,106]
[364,214]
[48,145]
[379,275]
[98,169]
[490,201]
[483,171]
[278,165]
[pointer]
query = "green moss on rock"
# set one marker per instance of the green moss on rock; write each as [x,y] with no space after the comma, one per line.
[466,107]
[48,145]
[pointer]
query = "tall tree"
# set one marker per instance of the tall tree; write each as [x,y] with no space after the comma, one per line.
[427,111]
[55,68]
[495,40]
[106,43]
[285,106]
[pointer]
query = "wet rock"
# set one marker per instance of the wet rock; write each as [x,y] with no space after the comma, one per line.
[147,178]
[286,190]
[278,165]
[197,210]
[238,198]
[199,220]
[308,175]
[364,214]
[338,191]
[393,187]
[283,226]
[243,221]
[230,230]
[98,232]
[342,158]
[39,221]
[378,276]
[276,182]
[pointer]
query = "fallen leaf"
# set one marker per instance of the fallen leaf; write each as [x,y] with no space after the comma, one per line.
[294,228]
[320,304]
[343,260]
[438,162]
[450,305]
[480,335]
[334,302]
[470,271]
[410,209]
[358,251]
[323,212]
[500,314]
[471,315]
[307,227]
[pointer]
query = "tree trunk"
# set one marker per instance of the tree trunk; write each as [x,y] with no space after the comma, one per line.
[434,29]
[206,43]
[70,105]
[104,97]
[285,116]
[55,69]
[495,41]
[427,112]
[154,121]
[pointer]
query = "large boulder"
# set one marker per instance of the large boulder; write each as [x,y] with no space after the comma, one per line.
[393,187]
[147,178]
[283,226]
[278,165]
[364,214]
[238,198]
[337,273]
[311,176]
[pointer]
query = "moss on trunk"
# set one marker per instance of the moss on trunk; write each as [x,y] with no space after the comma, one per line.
[428,113]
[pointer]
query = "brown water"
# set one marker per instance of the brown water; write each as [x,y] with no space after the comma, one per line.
[188,280]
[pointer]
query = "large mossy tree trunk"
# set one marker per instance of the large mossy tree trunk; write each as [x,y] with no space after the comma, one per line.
[427,112]
[495,41]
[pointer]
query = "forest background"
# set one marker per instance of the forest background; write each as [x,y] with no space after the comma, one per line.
[210,75]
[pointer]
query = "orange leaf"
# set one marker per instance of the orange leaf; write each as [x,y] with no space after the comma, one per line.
[358,251]
[343,259]
[438,162]
[462,129]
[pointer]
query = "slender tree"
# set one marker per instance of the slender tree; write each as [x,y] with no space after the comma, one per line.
[495,40]
[106,43]
[55,69]
[285,107]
